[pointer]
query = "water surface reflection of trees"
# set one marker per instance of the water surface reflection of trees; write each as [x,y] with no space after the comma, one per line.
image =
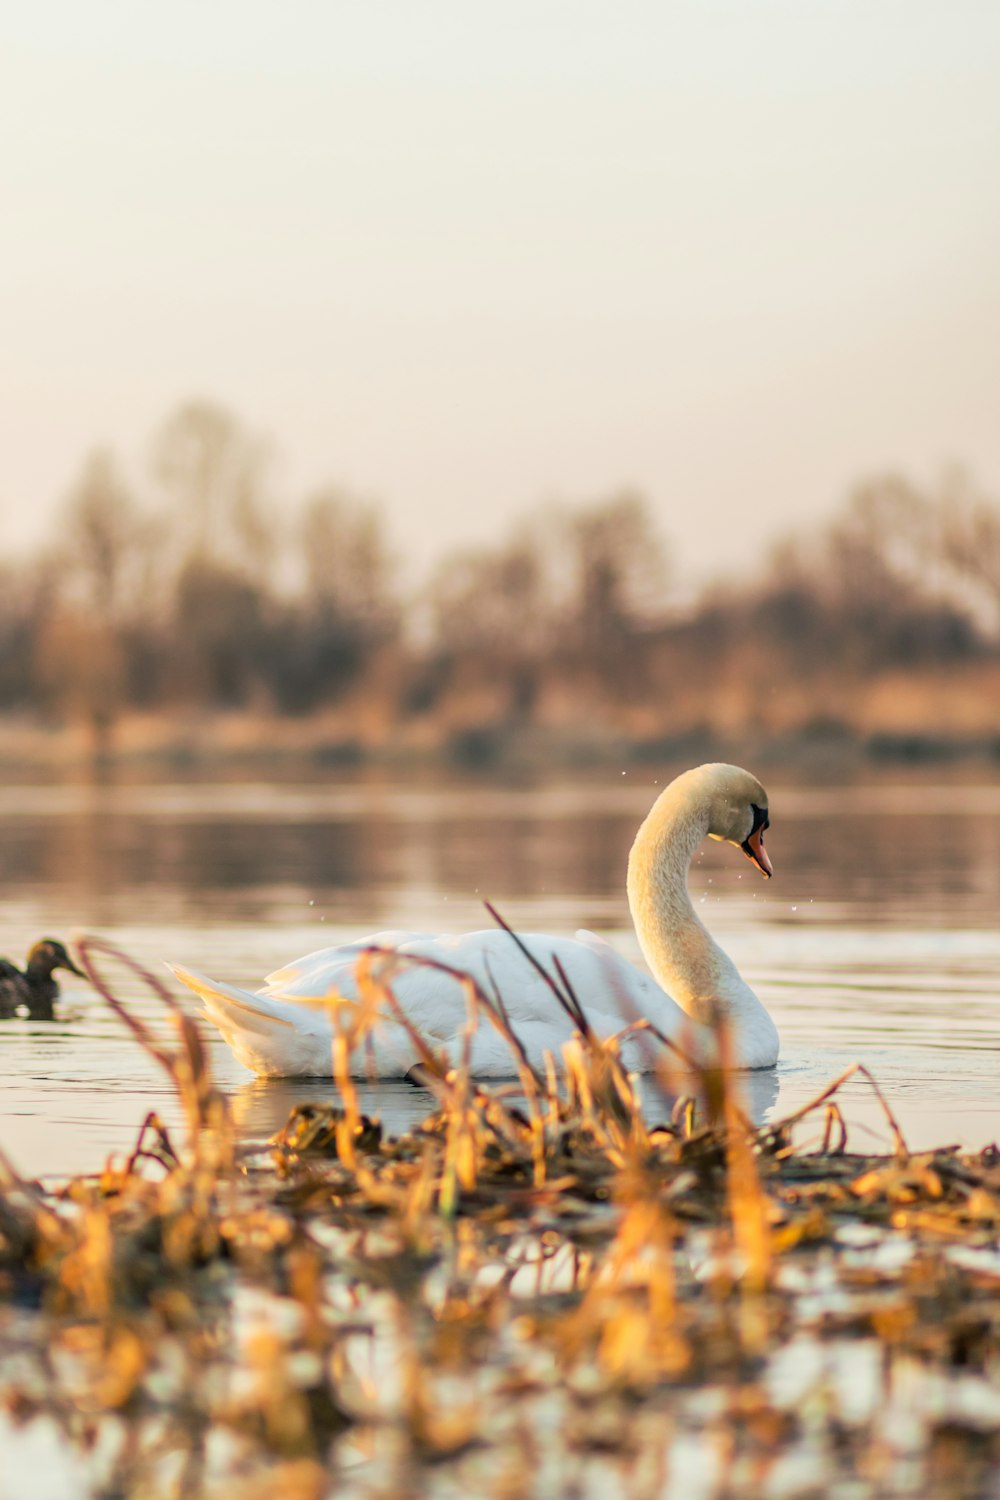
[542,864]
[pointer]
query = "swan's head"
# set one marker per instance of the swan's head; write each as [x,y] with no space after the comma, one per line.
[737,812]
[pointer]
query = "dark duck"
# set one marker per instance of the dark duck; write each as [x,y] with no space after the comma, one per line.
[34,990]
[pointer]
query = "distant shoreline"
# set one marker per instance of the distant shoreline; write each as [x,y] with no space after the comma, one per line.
[187,743]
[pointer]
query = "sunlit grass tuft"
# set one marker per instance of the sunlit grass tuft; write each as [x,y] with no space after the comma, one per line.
[538,1289]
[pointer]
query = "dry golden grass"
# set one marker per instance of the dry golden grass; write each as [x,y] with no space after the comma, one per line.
[538,1291]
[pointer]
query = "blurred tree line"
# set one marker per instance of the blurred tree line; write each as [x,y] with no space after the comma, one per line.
[203,592]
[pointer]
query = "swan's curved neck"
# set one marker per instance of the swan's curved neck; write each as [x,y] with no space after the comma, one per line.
[683,956]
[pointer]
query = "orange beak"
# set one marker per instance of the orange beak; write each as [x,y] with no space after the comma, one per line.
[753,848]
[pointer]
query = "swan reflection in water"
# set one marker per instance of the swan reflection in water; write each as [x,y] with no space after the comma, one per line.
[261,1106]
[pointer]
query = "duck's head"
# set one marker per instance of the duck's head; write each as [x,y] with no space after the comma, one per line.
[48,954]
[737,807]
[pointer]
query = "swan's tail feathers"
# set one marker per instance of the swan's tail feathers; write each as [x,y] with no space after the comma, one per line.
[235,1011]
[292,1038]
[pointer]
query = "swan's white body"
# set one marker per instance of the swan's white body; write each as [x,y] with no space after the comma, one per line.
[282,1030]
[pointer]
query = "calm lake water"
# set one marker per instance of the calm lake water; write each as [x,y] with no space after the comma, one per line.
[878,939]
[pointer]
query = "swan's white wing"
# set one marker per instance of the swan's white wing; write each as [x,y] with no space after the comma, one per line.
[281,1039]
[611,991]
[522,973]
[323,970]
[287,1029]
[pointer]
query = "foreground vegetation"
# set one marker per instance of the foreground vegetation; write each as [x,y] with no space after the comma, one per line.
[537,1292]
[193,596]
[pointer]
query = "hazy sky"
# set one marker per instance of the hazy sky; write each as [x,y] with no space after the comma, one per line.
[464,255]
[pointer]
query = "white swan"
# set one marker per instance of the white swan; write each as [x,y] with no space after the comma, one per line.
[277,1032]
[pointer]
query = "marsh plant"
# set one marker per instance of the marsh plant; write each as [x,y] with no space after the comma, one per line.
[550,1287]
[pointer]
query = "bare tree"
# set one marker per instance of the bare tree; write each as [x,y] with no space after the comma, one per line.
[99,574]
[493,619]
[617,591]
[214,476]
[620,562]
[218,634]
[882,549]
[26,603]
[348,565]
[105,544]
[970,528]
